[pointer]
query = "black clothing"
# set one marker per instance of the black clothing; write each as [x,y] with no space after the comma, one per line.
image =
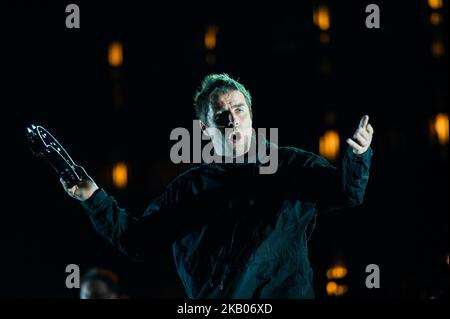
[236,233]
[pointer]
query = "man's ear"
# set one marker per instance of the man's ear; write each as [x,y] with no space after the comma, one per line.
[203,128]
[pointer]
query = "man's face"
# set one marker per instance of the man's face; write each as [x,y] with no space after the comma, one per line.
[230,115]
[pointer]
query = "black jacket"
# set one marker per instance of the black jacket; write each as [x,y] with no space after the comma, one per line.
[236,233]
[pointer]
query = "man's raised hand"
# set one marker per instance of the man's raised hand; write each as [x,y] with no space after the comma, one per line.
[363,136]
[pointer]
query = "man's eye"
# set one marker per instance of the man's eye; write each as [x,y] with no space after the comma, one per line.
[239,110]
[221,117]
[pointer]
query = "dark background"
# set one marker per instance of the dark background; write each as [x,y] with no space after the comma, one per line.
[60,78]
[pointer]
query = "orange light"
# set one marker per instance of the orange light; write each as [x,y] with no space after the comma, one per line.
[437,48]
[435,4]
[120,175]
[210,39]
[341,290]
[321,17]
[115,54]
[333,289]
[336,272]
[329,145]
[441,128]
[435,18]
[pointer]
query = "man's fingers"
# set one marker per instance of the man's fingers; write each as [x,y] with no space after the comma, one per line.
[364,121]
[82,173]
[71,191]
[358,137]
[362,137]
[364,134]
[354,145]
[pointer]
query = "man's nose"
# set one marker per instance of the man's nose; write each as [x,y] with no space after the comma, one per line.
[232,122]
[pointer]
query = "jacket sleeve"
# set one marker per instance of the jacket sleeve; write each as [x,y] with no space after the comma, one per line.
[333,187]
[138,236]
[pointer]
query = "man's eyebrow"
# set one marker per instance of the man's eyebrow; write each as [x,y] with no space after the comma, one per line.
[219,109]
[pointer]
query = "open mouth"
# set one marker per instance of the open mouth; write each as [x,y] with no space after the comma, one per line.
[235,137]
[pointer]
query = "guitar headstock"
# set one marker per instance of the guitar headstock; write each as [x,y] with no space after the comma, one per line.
[45,146]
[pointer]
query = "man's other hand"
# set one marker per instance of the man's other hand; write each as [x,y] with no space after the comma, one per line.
[363,136]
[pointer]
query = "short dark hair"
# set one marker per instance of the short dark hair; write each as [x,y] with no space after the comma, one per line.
[222,83]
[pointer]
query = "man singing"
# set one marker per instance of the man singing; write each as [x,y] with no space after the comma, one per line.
[236,233]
